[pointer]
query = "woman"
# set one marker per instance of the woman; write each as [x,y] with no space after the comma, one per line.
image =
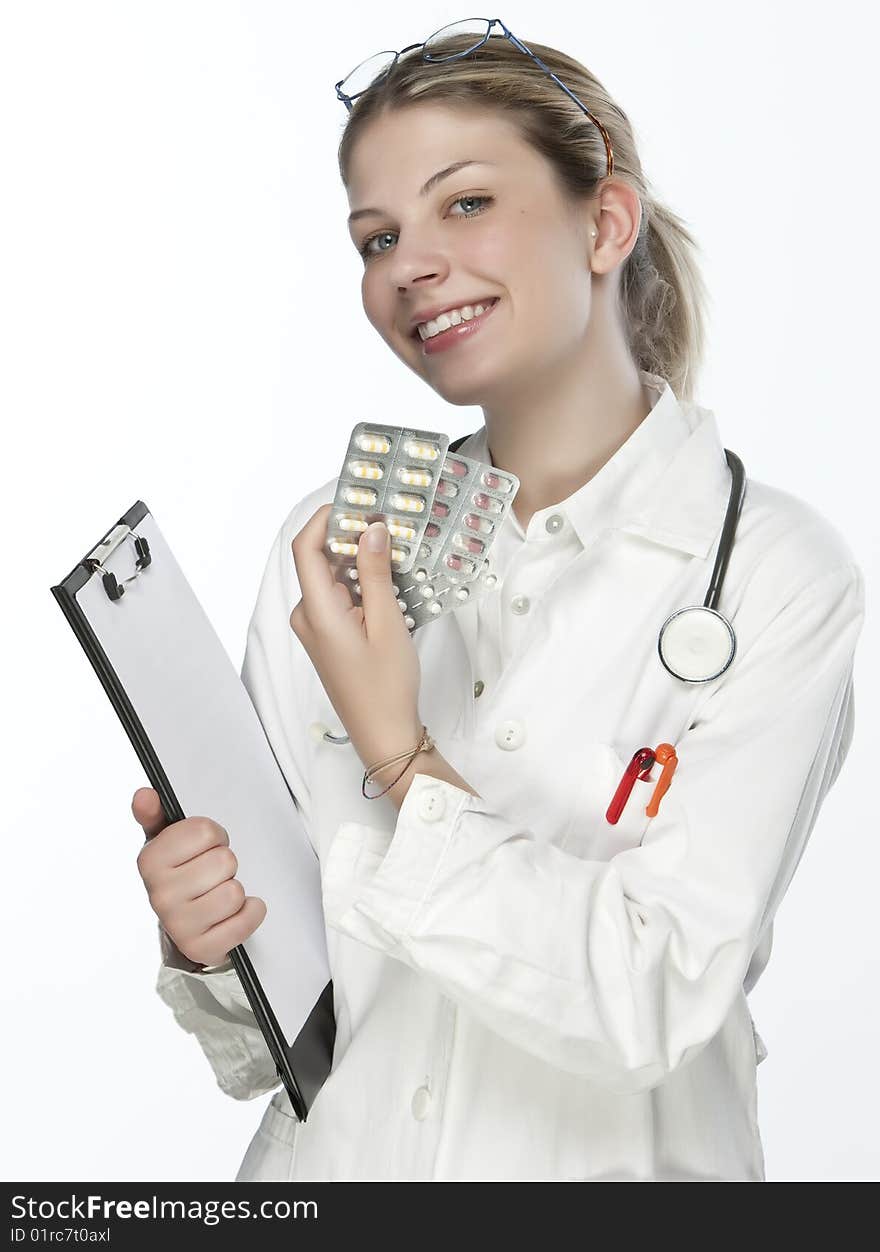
[524,989]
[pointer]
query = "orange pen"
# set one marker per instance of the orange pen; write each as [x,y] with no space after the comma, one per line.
[665,754]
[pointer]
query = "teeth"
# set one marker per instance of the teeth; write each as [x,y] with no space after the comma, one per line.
[427,330]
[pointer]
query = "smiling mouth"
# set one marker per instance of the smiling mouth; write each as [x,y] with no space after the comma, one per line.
[493,300]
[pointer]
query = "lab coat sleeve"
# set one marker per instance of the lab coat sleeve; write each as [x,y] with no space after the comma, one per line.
[213,1006]
[622,970]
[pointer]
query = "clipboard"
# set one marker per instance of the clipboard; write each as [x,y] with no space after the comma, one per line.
[199,738]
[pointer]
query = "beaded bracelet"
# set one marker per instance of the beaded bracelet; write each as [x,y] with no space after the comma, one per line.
[425,744]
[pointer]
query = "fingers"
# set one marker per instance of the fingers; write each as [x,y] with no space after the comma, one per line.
[212,935]
[320,589]
[207,871]
[378,596]
[148,812]
[177,845]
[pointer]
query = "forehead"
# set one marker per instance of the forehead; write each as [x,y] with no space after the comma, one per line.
[397,152]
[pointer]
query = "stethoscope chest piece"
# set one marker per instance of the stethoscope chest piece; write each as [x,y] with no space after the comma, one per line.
[696,644]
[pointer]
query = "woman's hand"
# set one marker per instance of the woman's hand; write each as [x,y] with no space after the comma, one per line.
[363,653]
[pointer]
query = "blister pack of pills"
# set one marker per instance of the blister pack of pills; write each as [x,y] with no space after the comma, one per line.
[443,511]
[422,602]
[471,503]
[389,475]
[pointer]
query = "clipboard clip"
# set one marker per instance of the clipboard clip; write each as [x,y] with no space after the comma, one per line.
[95,560]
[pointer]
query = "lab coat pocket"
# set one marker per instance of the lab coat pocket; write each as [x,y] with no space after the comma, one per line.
[589,834]
[270,1156]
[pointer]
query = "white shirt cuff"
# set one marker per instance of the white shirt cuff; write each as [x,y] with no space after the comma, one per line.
[375,880]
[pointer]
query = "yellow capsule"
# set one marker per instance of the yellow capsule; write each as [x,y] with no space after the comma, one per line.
[415,477]
[364,496]
[372,443]
[343,549]
[407,504]
[398,554]
[421,451]
[350,523]
[367,469]
[401,530]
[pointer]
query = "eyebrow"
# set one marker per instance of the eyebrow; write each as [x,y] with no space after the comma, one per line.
[429,186]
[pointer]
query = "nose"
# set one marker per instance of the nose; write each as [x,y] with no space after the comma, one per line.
[412,284]
[410,276]
[417,260]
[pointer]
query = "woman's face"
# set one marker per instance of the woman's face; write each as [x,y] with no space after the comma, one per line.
[517,240]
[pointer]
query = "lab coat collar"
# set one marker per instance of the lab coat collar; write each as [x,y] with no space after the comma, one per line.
[668,483]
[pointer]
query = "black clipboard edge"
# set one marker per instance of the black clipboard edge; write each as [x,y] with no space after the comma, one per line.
[313,1046]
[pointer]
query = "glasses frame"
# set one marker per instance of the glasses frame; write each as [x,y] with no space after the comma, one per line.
[493,21]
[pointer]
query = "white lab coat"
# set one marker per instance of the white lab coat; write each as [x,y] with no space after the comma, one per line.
[522,990]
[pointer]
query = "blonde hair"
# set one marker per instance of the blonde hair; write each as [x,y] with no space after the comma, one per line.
[662,294]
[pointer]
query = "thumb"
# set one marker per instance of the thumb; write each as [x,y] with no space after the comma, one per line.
[378,596]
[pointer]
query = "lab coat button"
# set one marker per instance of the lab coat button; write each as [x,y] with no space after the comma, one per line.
[432,805]
[421,1104]
[510,735]
[555,523]
[478,687]
[520,604]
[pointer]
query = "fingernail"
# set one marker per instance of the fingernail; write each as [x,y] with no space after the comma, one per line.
[377,536]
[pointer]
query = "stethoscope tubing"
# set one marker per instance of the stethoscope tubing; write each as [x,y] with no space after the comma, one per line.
[731,517]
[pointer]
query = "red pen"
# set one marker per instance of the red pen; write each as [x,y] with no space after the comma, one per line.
[639,767]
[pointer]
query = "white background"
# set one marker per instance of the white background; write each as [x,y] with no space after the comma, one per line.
[181,322]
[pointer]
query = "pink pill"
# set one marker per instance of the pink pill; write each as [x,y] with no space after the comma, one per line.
[458,468]
[432,530]
[495,483]
[446,488]
[439,509]
[469,545]
[473,521]
[489,503]
[459,563]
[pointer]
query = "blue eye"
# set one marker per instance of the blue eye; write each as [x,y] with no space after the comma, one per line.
[366,254]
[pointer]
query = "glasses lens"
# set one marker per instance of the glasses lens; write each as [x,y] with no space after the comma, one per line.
[469,34]
[366,73]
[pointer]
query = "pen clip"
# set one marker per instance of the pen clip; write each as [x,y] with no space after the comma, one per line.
[639,767]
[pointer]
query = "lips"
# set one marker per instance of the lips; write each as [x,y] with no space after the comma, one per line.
[454,335]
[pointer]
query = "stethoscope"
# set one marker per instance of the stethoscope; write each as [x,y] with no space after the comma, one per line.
[696,643]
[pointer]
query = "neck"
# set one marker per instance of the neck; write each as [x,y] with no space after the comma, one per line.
[561,427]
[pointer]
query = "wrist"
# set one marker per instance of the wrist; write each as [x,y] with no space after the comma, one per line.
[389,763]
[420,763]
[381,742]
